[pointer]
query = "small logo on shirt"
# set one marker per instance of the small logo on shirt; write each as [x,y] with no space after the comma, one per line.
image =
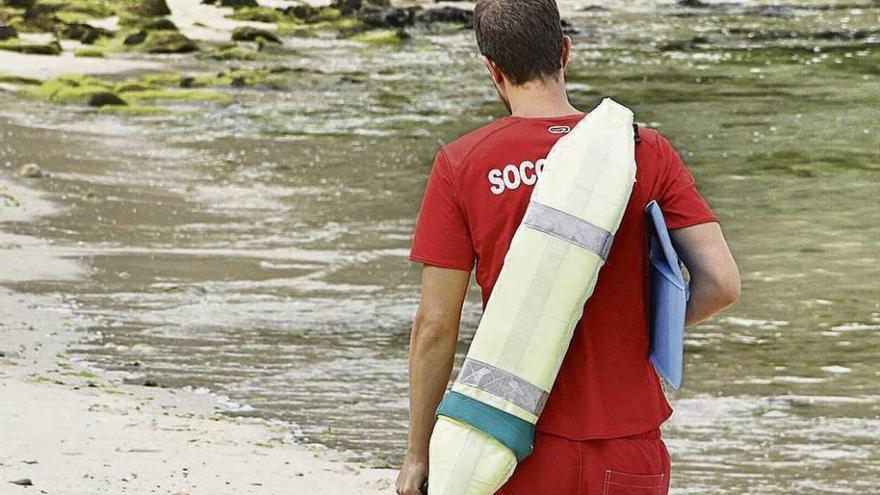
[559,129]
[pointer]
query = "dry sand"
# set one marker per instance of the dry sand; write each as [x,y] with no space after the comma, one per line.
[71,430]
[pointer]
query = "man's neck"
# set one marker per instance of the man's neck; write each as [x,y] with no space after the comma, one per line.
[540,99]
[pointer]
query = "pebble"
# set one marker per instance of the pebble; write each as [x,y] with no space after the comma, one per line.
[23,482]
[31,171]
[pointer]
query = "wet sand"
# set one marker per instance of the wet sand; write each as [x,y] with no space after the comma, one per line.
[74,430]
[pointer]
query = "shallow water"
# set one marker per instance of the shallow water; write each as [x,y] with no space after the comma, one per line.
[258,250]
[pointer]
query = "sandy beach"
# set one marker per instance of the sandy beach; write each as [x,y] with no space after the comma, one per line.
[68,429]
[204,288]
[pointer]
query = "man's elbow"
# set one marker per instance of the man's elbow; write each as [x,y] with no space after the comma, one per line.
[732,290]
[727,287]
[430,330]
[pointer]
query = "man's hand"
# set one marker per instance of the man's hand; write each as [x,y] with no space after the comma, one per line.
[413,473]
[431,353]
[715,282]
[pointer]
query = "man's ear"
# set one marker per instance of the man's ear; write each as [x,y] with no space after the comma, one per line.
[566,50]
[494,71]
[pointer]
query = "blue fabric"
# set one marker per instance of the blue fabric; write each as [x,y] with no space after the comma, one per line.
[514,433]
[669,296]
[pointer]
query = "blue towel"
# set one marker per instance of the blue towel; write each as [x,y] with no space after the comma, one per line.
[669,297]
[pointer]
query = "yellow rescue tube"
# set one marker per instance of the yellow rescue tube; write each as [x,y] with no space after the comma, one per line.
[485,424]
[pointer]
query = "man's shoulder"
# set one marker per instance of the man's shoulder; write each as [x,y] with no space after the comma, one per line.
[651,140]
[460,149]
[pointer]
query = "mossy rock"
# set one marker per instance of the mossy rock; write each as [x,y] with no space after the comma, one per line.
[105,98]
[69,88]
[160,24]
[304,12]
[90,8]
[135,38]
[168,42]
[152,8]
[163,79]
[20,4]
[257,14]
[129,86]
[236,4]
[329,14]
[233,53]
[382,37]
[7,32]
[11,79]
[178,95]
[89,53]
[347,7]
[16,45]
[84,33]
[248,33]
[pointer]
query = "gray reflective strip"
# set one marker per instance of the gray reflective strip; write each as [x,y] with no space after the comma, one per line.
[569,228]
[503,384]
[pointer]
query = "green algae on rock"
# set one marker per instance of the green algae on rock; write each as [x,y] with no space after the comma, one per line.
[249,33]
[168,42]
[89,52]
[233,52]
[69,88]
[382,36]
[178,95]
[20,46]
[257,14]
[152,8]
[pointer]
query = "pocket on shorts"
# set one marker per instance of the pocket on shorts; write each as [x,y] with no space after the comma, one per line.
[617,483]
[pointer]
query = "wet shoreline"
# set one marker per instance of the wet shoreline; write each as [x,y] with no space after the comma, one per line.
[265,236]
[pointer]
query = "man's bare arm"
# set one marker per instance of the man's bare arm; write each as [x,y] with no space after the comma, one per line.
[715,282]
[432,351]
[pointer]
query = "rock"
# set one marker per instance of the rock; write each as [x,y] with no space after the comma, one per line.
[168,42]
[31,171]
[15,45]
[160,24]
[23,482]
[304,12]
[393,17]
[7,32]
[453,15]
[382,36]
[105,98]
[697,4]
[248,33]
[347,7]
[135,38]
[149,382]
[84,33]
[239,4]
[20,4]
[89,52]
[152,8]
[259,14]
[568,29]
[233,53]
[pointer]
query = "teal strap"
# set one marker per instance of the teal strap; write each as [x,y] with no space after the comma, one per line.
[514,433]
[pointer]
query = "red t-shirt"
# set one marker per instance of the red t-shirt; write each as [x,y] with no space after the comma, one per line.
[476,197]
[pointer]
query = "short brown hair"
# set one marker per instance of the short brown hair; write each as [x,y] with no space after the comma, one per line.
[522,37]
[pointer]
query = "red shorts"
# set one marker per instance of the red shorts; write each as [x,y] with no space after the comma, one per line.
[634,465]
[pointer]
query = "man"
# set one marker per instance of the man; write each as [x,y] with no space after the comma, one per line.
[599,432]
